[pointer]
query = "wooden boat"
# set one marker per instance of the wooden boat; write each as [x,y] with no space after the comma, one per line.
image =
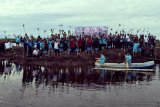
[144,65]
[123,69]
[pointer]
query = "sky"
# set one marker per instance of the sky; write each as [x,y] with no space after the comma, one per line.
[47,14]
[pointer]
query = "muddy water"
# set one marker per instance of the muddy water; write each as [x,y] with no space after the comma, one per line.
[34,86]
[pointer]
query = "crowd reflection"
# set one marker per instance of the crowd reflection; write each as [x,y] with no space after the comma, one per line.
[8,69]
[70,76]
[79,75]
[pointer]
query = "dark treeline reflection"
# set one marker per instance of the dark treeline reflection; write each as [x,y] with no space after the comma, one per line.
[79,75]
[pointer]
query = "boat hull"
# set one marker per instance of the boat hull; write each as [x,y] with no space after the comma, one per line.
[145,65]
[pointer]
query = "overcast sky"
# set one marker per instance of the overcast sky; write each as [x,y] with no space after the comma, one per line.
[47,14]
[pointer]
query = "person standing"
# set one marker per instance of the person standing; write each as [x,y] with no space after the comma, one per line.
[136,46]
[56,48]
[30,48]
[50,42]
[18,40]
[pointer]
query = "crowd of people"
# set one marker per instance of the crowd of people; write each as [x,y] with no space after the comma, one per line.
[56,45]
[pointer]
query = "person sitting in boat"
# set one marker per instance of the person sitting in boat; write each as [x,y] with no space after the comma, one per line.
[101,60]
[128,59]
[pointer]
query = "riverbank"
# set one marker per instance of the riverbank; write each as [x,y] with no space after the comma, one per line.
[83,59]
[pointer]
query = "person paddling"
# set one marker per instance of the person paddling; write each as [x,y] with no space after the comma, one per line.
[101,60]
[128,60]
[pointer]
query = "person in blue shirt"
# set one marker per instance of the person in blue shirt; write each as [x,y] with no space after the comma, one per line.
[104,43]
[136,46]
[30,48]
[101,60]
[18,40]
[50,42]
[42,45]
[128,60]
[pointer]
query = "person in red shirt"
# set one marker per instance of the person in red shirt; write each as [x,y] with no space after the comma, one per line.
[89,45]
[73,44]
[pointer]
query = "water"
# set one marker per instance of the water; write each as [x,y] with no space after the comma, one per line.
[33,86]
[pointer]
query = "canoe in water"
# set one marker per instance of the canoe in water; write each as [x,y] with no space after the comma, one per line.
[144,65]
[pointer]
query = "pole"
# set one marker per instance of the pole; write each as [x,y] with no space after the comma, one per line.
[38,31]
[45,33]
[4,34]
[24,28]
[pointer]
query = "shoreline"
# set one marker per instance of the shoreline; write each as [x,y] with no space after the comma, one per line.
[83,59]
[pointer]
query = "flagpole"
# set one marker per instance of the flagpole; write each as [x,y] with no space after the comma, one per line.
[24,28]
[45,33]
[118,27]
[60,27]
[69,32]
[38,31]
[4,34]
[52,30]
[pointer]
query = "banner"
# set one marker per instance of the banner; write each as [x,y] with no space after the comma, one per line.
[81,31]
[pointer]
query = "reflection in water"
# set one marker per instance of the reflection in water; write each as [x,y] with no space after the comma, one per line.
[79,76]
[93,86]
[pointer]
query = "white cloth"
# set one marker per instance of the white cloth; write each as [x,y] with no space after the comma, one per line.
[128,38]
[145,39]
[35,52]
[8,45]
[56,45]
[35,45]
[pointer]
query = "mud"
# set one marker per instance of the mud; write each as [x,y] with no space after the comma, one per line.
[83,59]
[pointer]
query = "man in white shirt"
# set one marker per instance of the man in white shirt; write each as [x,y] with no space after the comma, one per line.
[56,48]
[146,41]
[8,46]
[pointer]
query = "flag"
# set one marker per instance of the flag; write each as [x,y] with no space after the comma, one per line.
[143,29]
[52,30]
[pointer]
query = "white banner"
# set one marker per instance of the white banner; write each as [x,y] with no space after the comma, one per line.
[91,30]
